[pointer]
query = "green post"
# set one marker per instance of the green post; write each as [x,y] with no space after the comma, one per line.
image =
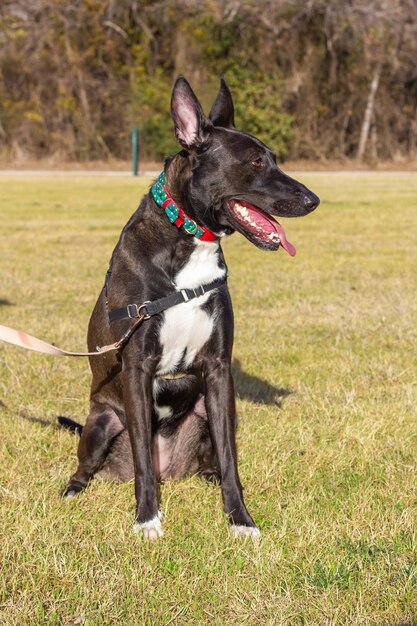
[135,151]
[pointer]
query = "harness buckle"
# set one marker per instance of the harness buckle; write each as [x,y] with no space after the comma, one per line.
[132,310]
[146,315]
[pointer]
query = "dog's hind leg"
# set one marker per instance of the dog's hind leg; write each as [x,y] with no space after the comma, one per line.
[97,435]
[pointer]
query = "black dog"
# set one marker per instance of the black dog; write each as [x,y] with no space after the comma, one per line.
[170,383]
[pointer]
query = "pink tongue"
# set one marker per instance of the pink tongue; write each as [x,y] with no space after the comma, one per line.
[266,222]
[284,243]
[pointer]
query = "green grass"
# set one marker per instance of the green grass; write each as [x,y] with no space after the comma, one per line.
[326,378]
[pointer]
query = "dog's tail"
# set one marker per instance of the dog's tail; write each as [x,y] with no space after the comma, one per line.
[69,424]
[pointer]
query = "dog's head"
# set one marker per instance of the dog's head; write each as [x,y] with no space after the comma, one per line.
[235,183]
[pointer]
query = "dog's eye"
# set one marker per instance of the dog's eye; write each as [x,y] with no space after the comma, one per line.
[258,162]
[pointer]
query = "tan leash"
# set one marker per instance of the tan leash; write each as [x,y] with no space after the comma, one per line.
[132,311]
[23,340]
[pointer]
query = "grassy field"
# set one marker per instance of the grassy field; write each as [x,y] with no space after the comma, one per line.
[326,377]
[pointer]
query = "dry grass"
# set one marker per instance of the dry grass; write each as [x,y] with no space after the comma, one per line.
[326,377]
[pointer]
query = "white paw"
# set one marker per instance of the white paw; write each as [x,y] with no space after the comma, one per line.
[151,530]
[245,531]
[70,495]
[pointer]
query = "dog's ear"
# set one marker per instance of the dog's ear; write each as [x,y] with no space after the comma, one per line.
[192,127]
[223,112]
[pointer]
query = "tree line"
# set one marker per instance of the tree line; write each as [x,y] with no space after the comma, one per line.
[319,79]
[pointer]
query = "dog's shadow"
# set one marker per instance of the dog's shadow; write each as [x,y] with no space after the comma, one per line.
[249,387]
[5,302]
[36,420]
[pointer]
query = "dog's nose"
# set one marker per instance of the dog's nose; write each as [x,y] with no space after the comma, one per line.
[311,201]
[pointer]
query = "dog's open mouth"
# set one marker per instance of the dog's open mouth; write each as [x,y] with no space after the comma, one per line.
[259,227]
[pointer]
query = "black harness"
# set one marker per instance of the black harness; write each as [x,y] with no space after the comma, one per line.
[149,308]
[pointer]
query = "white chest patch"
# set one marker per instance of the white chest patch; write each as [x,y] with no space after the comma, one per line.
[187,327]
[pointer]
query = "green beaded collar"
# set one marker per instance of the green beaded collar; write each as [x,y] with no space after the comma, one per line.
[176,215]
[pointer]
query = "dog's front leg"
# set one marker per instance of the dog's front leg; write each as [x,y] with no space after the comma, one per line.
[137,395]
[221,412]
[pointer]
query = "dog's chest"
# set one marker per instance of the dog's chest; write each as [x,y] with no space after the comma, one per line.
[187,327]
